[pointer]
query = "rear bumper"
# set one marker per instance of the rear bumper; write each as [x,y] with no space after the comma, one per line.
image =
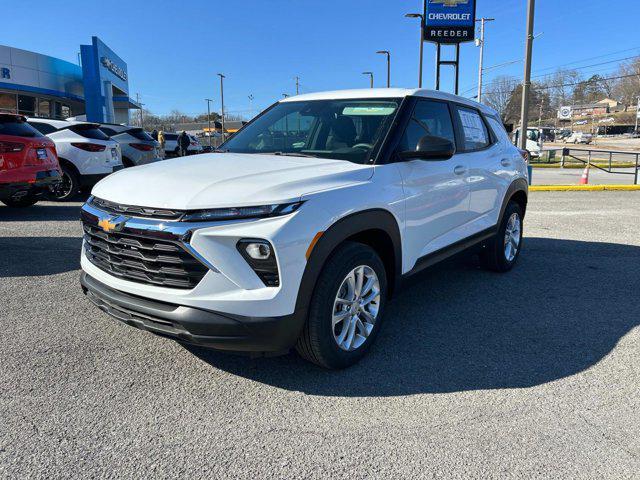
[193,325]
[40,185]
[92,179]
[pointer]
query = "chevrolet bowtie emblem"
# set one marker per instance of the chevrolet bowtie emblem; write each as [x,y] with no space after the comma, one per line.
[450,3]
[112,224]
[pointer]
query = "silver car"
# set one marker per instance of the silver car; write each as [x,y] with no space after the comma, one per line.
[137,146]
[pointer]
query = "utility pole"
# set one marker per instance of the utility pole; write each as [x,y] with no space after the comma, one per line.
[141,105]
[388,54]
[526,84]
[297,85]
[222,77]
[421,17]
[209,117]
[480,43]
[370,77]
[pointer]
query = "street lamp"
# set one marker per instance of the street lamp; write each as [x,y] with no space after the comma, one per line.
[222,77]
[208,100]
[421,17]
[251,97]
[388,54]
[371,77]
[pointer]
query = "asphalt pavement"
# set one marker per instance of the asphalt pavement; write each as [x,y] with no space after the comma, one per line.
[533,373]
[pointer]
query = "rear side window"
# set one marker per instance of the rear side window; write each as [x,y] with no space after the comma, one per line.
[89,131]
[429,118]
[475,135]
[140,134]
[170,136]
[108,131]
[43,128]
[17,127]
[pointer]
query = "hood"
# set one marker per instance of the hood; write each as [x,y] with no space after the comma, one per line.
[226,180]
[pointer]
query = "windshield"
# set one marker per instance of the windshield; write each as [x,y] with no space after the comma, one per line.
[341,129]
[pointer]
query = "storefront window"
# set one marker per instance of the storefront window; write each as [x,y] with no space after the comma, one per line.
[66,111]
[44,108]
[26,105]
[8,102]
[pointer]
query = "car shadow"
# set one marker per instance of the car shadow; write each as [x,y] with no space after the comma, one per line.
[38,256]
[456,327]
[41,212]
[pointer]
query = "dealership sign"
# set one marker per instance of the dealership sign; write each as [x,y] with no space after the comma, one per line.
[113,68]
[565,113]
[450,21]
[5,73]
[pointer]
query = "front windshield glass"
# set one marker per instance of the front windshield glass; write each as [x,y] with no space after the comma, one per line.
[348,130]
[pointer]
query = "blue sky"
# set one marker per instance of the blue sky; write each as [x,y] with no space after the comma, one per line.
[174,49]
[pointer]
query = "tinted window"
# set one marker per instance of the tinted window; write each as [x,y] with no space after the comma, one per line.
[89,131]
[429,118]
[170,136]
[19,128]
[108,131]
[43,128]
[474,132]
[140,134]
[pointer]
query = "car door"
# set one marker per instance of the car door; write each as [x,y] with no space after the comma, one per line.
[436,191]
[488,167]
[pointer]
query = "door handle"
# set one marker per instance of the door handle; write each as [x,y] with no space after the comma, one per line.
[505,162]
[460,170]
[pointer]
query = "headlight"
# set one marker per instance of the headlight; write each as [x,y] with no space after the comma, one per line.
[232,213]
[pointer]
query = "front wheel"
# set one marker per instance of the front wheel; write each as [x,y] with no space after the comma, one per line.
[501,252]
[346,308]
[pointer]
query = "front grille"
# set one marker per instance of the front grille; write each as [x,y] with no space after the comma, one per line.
[143,259]
[134,211]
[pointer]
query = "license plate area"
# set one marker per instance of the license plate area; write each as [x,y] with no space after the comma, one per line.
[41,153]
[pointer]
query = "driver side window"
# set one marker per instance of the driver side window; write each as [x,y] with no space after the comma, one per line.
[428,118]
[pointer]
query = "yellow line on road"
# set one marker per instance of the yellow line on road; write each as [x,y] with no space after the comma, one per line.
[582,188]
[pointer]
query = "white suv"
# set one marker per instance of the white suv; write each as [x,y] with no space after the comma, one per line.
[300,229]
[85,153]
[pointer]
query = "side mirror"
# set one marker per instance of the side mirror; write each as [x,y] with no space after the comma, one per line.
[431,148]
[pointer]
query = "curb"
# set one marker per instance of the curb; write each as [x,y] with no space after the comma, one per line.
[582,188]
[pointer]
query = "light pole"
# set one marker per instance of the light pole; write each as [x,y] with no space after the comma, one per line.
[421,17]
[297,85]
[637,114]
[370,77]
[208,100]
[250,97]
[526,84]
[480,43]
[222,77]
[388,54]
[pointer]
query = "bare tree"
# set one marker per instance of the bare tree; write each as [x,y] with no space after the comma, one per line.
[499,92]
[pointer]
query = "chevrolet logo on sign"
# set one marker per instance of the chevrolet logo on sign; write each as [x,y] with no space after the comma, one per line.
[112,224]
[450,3]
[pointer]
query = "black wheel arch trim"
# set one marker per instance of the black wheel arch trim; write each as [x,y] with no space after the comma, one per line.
[518,185]
[340,231]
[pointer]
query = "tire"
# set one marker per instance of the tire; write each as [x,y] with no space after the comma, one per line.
[26,201]
[495,254]
[127,162]
[318,342]
[70,186]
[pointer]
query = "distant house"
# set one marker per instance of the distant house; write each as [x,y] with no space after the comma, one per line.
[590,109]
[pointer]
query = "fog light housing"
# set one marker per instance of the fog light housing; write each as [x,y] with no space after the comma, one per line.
[260,256]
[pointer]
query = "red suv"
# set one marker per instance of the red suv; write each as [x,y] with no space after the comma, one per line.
[28,162]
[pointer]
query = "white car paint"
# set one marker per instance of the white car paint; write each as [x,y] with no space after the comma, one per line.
[433,207]
[88,163]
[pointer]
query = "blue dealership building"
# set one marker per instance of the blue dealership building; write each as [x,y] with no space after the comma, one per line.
[38,85]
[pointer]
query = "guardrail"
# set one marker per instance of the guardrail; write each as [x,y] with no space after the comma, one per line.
[604,160]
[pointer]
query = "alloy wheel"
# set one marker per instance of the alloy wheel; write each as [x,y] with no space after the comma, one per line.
[356,308]
[512,237]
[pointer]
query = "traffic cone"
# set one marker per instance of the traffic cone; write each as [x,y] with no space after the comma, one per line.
[585,176]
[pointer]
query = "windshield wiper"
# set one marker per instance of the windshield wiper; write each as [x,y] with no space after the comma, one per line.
[293,154]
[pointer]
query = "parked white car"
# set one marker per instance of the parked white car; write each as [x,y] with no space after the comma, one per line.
[136,145]
[85,153]
[579,137]
[300,230]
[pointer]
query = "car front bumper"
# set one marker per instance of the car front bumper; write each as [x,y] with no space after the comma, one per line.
[195,325]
